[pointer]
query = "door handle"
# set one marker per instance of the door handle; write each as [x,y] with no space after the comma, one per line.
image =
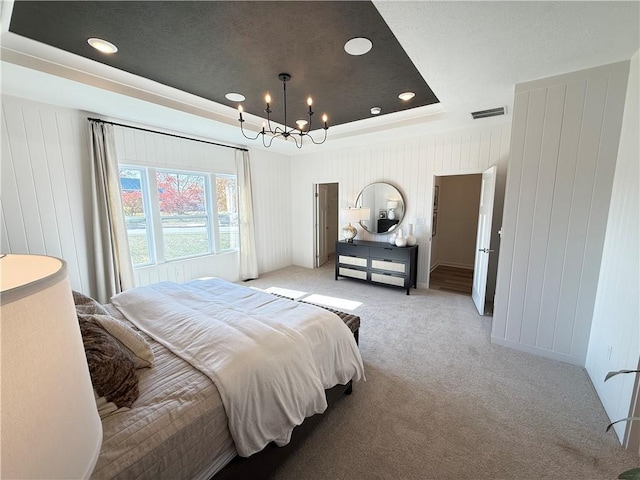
[485,250]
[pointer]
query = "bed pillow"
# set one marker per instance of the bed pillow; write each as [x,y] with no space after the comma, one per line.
[87,305]
[112,371]
[134,344]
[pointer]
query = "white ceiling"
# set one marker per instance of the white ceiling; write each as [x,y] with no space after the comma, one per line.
[470,53]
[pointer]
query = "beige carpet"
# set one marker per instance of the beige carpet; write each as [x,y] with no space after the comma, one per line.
[441,401]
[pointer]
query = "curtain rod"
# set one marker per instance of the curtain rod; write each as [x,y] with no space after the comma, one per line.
[99,120]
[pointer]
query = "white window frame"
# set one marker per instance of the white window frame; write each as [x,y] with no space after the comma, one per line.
[148,214]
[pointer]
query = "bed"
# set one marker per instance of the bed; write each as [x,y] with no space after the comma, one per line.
[182,423]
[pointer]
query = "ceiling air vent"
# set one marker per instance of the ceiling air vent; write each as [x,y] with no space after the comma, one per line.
[493,112]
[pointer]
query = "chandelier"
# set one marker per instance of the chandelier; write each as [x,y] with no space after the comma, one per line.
[297,134]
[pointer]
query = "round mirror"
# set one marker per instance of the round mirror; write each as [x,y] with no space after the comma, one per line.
[387,207]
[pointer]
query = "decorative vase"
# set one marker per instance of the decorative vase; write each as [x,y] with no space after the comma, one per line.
[400,240]
[411,239]
[392,239]
[392,214]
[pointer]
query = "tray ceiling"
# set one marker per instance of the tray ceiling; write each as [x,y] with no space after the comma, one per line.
[210,49]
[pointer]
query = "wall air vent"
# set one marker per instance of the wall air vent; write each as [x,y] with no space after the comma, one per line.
[493,112]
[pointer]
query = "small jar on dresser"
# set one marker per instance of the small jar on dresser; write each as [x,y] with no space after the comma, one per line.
[378,262]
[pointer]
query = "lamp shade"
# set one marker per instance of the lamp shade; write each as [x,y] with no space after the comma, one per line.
[365,213]
[350,215]
[50,422]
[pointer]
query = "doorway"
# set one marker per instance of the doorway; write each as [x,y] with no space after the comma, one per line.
[325,221]
[454,229]
[461,235]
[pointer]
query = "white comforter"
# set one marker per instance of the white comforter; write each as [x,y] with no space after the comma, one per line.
[270,358]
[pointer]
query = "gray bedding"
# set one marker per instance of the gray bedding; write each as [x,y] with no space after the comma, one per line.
[178,418]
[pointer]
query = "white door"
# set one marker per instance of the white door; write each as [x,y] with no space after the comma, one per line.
[321,224]
[483,238]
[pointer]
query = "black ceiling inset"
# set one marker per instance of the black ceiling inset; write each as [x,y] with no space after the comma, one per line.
[211,48]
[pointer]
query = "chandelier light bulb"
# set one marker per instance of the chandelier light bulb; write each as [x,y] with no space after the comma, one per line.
[267,98]
[309,101]
[324,118]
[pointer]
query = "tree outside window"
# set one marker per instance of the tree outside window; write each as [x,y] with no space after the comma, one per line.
[183,212]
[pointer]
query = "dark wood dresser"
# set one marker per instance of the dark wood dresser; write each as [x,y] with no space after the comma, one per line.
[378,262]
[384,224]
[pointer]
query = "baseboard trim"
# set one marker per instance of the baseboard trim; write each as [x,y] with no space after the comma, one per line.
[540,352]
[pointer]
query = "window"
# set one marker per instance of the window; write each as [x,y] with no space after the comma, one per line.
[183,214]
[227,196]
[172,215]
[137,215]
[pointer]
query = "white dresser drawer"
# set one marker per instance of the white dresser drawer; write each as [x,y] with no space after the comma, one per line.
[388,279]
[389,266]
[357,261]
[348,272]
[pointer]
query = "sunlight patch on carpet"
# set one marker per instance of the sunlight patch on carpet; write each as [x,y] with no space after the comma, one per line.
[333,302]
[285,292]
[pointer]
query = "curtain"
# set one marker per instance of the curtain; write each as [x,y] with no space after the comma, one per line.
[112,261]
[248,257]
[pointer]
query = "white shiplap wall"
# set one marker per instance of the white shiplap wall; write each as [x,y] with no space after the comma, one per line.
[271,177]
[615,333]
[564,141]
[45,168]
[410,165]
[151,149]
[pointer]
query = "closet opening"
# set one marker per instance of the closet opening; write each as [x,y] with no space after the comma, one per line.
[453,233]
[461,235]
[325,222]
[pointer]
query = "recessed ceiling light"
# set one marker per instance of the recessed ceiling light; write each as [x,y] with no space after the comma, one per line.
[375,110]
[235,97]
[406,96]
[102,45]
[358,46]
